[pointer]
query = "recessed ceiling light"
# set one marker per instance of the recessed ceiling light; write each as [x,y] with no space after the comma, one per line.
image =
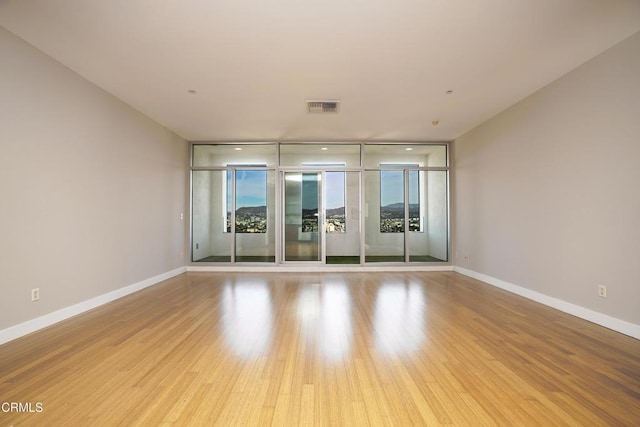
[408,148]
[191,91]
[324,148]
[238,148]
[435,122]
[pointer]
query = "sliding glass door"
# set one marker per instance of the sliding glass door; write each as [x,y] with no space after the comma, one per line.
[322,217]
[303,216]
[254,208]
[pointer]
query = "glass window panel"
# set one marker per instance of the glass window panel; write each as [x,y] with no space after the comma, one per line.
[210,241]
[255,216]
[222,155]
[422,155]
[380,246]
[431,245]
[335,204]
[391,201]
[315,155]
[228,197]
[437,214]
[310,202]
[343,247]
[416,202]
[301,200]
[251,201]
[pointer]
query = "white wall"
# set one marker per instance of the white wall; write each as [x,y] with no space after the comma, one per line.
[547,194]
[92,190]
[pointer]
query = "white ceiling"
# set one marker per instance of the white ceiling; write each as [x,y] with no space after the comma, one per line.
[253,63]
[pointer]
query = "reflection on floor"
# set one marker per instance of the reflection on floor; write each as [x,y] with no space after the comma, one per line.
[322,349]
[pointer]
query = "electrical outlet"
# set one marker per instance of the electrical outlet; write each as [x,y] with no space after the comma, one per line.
[181,216]
[197,245]
[602,291]
[35,294]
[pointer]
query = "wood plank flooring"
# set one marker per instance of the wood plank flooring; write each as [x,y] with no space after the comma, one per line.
[262,349]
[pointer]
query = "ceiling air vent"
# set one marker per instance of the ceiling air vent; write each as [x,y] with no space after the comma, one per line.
[320,107]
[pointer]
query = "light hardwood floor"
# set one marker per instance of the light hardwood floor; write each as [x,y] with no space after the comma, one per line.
[323,349]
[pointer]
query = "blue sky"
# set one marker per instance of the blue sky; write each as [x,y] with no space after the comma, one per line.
[251,188]
[392,187]
[335,190]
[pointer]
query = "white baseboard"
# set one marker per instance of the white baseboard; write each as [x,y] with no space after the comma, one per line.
[285,268]
[613,323]
[22,329]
